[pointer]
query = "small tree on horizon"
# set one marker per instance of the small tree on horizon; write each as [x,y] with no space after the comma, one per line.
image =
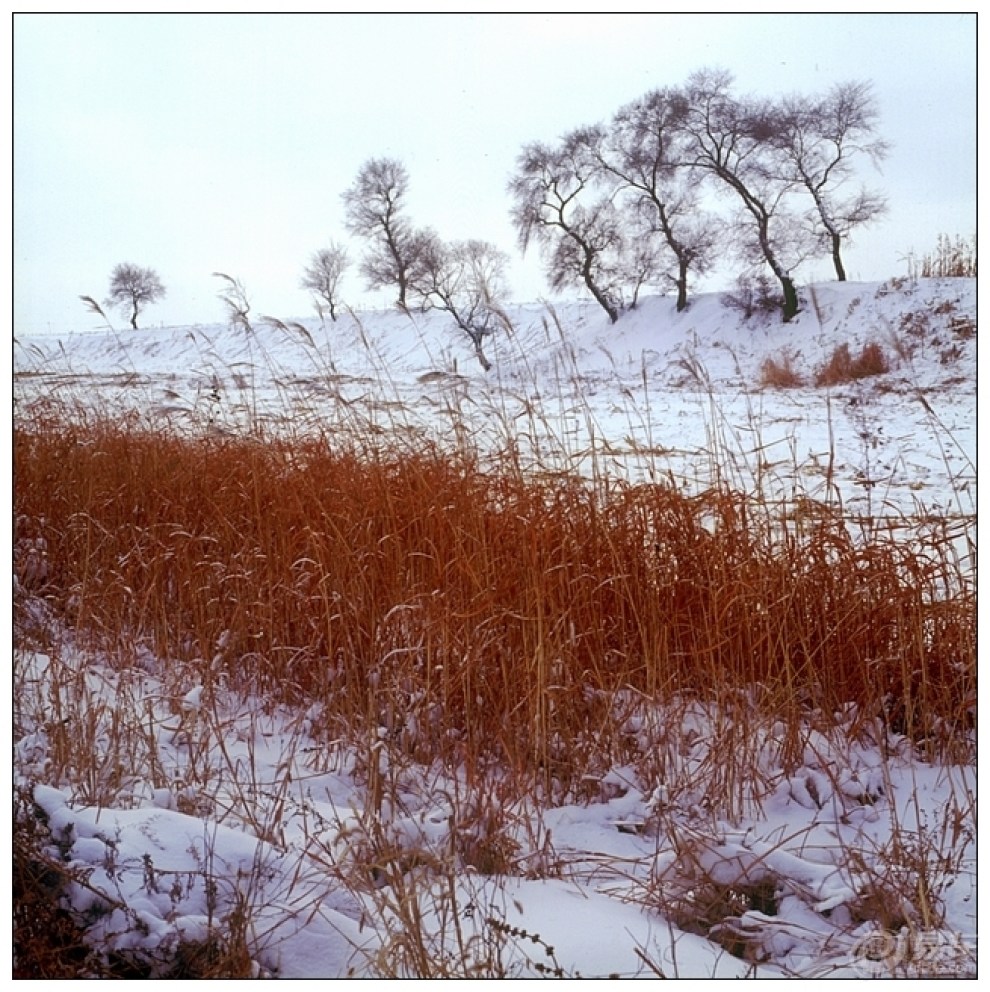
[644,147]
[322,277]
[132,288]
[465,279]
[730,142]
[374,208]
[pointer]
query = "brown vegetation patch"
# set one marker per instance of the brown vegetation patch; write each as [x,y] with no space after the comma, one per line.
[780,373]
[842,367]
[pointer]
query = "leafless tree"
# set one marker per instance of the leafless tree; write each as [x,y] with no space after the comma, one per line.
[558,202]
[817,140]
[132,288]
[374,210]
[465,279]
[730,141]
[322,277]
[644,146]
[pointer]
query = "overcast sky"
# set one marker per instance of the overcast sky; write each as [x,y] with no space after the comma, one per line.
[201,143]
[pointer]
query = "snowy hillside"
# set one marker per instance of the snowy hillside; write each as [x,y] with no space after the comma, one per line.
[215,817]
[656,392]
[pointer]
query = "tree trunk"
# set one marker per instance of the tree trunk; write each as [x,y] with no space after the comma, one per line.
[606,304]
[477,337]
[834,237]
[680,253]
[840,271]
[790,308]
[401,269]
[682,281]
[790,298]
[134,317]
[480,352]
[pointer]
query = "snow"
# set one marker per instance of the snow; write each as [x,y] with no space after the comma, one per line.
[251,812]
[657,392]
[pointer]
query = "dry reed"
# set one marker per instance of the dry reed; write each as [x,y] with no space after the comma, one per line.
[780,373]
[483,614]
[842,367]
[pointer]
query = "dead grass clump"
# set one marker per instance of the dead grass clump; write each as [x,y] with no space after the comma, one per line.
[838,369]
[953,258]
[780,373]
[842,367]
[871,361]
[963,327]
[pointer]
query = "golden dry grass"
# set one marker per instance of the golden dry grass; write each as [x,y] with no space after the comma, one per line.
[780,372]
[496,612]
[843,367]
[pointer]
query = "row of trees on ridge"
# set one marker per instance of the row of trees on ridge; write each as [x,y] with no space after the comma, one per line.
[618,206]
[621,205]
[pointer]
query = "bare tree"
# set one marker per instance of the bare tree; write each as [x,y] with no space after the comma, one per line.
[816,140]
[465,279]
[730,141]
[644,147]
[322,277]
[558,201]
[132,288]
[374,210]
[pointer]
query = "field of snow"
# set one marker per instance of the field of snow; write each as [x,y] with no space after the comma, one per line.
[252,825]
[655,396]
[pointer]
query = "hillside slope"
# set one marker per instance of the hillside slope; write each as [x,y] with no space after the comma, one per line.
[659,395]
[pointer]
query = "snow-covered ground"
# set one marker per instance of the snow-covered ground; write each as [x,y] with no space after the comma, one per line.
[234,813]
[654,395]
[271,819]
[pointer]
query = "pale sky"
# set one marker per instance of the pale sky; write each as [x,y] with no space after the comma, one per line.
[200,143]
